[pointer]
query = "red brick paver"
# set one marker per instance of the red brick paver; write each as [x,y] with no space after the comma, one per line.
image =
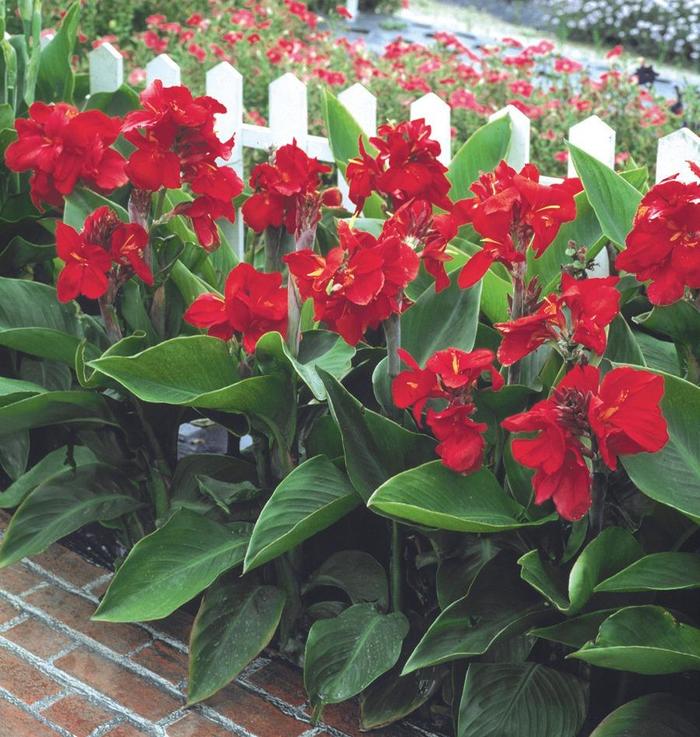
[64,674]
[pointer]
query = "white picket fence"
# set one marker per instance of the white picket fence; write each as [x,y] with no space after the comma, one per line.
[288,119]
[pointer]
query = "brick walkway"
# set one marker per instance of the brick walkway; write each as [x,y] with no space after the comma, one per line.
[61,674]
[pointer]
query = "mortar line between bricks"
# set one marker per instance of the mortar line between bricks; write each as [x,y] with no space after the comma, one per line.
[106,727]
[88,587]
[12,699]
[67,650]
[48,701]
[36,587]
[94,645]
[93,695]
[19,619]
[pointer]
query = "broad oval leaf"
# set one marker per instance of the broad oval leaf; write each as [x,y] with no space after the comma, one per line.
[236,620]
[521,700]
[167,568]
[434,496]
[312,497]
[656,572]
[654,715]
[344,655]
[498,605]
[63,503]
[644,639]
[672,475]
[574,631]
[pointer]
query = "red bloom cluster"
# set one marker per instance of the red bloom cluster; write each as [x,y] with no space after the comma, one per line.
[584,418]
[175,142]
[451,376]
[405,167]
[664,243]
[359,284]
[253,304]
[592,305]
[511,211]
[104,244]
[287,192]
[64,147]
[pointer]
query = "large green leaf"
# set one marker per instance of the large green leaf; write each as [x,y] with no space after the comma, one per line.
[440,320]
[63,503]
[434,496]
[49,465]
[656,572]
[622,344]
[672,476]
[33,321]
[653,715]
[614,200]
[480,153]
[56,79]
[172,565]
[520,700]
[12,390]
[312,497]
[375,448]
[644,639]
[575,631]
[345,654]
[497,606]
[608,553]
[236,620]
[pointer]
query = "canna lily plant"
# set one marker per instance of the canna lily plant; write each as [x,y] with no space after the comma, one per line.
[461,476]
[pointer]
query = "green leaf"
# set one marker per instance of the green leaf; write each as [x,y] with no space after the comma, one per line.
[614,200]
[33,321]
[344,655]
[118,103]
[656,572]
[521,700]
[653,715]
[127,346]
[672,475]
[434,496]
[48,466]
[63,503]
[375,448]
[310,499]
[611,551]
[440,320]
[498,605]
[236,620]
[659,355]
[186,483]
[12,390]
[167,568]
[82,201]
[680,322]
[622,344]
[54,408]
[644,639]
[576,631]
[14,454]
[480,153]
[356,573]
[56,79]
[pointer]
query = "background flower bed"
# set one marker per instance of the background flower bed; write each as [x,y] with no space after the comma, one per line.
[264,39]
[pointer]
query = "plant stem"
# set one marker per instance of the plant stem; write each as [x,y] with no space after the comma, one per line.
[392,331]
[596,514]
[274,246]
[517,309]
[305,239]
[109,314]
[395,567]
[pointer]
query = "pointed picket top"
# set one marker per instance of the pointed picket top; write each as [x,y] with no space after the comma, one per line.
[519,150]
[164,69]
[46,38]
[674,152]
[106,69]
[362,105]
[436,113]
[289,112]
[225,84]
[594,137]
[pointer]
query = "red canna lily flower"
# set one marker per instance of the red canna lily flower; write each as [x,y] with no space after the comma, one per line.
[128,244]
[405,167]
[86,265]
[663,246]
[592,305]
[63,147]
[450,376]
[254,303]
[584,418]
[512,211]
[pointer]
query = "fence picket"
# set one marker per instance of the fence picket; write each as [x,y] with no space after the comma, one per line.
[519,150]
[106,69]
[594,137]
[362,105]
[289,111]
[674,152]
[164,69]
[436,113]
